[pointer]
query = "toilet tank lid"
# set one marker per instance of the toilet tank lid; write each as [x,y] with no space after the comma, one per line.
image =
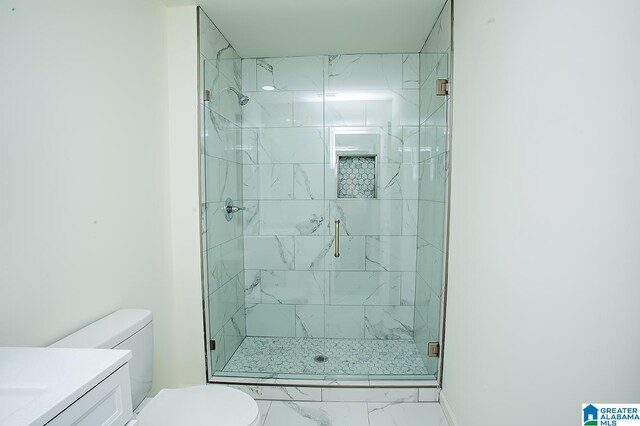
[107,332]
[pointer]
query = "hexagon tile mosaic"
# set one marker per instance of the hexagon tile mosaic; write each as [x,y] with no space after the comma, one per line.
[295,355]
[356,177]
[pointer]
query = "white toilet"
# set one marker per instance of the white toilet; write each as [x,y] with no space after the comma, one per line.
[132,329]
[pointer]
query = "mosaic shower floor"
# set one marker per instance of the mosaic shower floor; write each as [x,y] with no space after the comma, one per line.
[353,357]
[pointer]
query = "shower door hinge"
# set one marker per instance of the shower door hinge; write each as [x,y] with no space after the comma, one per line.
[206,96]
[212,345]
[433,349]
[442,87]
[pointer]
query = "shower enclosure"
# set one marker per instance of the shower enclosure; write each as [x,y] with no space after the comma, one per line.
[324,199]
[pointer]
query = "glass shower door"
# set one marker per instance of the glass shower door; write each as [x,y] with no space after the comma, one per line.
[373,165]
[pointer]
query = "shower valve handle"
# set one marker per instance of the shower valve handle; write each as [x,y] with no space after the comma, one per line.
[230,209]
[233,209]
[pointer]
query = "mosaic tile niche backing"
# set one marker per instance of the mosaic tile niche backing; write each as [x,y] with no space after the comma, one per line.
[357,177]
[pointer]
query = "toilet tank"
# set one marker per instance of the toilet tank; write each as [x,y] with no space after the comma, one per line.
[130,329]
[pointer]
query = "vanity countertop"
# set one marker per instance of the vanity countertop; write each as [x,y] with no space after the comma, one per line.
[36,384]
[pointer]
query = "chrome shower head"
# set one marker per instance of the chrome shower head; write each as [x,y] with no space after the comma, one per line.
[242,99]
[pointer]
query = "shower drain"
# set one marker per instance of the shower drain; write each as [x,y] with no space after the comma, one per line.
[320,358]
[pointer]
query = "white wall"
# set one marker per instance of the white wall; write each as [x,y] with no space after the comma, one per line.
[85,217]
[188,363]
[544,275]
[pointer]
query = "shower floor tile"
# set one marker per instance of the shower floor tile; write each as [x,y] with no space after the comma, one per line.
[295,355]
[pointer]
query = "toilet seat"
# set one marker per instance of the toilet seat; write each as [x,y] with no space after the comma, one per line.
[200,405]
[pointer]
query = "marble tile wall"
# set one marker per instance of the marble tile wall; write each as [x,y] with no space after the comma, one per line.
[221,174]
[323,106]
[432,187]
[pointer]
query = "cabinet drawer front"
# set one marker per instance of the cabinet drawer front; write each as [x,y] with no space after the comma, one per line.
[108,403]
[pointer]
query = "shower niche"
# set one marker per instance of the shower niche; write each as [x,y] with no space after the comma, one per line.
[356,156]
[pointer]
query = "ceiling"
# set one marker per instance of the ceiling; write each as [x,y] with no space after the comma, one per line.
[263,28]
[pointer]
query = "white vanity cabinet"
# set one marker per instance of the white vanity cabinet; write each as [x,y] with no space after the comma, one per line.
[56,386]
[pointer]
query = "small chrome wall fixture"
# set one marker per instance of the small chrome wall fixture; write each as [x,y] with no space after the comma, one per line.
[230,209]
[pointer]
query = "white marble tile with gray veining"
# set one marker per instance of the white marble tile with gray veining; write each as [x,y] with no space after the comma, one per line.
[383,217]
[388,322]
[308,181]
[406,413]
[212,42]
[231,258]
[269,252]
[280,393]
[344,321]
[429,263]
[411,144]
[275,181]
[268,109]
[233,332]
[252,288]
[408,289]
[410,65]
[429,101]
[369,71]
[390,253]
[410,217]
[308,108]
[214,269]
[293,217]
[370,395]
[263,407]
[434,135]
[219,230]
[432,215]
[222,180]
[433,178]
[251,218]
[398,181]
[291,145]
[265,319]
[222,138]
[293,287]
[222,306]
[216,357]
[393,107]
[343,110]
[222,98]
[310,252]
[351,250]
[309,321]
[317,413]
[365,288]
[249,146]
[290,73]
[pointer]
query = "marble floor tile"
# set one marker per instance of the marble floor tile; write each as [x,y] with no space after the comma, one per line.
[317,413]
[263,407]
[406,414]
[290,413]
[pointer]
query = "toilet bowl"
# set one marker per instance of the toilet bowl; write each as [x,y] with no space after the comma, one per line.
[132,329]
[199,405]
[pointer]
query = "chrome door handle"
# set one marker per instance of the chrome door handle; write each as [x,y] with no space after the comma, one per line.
[337,253]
